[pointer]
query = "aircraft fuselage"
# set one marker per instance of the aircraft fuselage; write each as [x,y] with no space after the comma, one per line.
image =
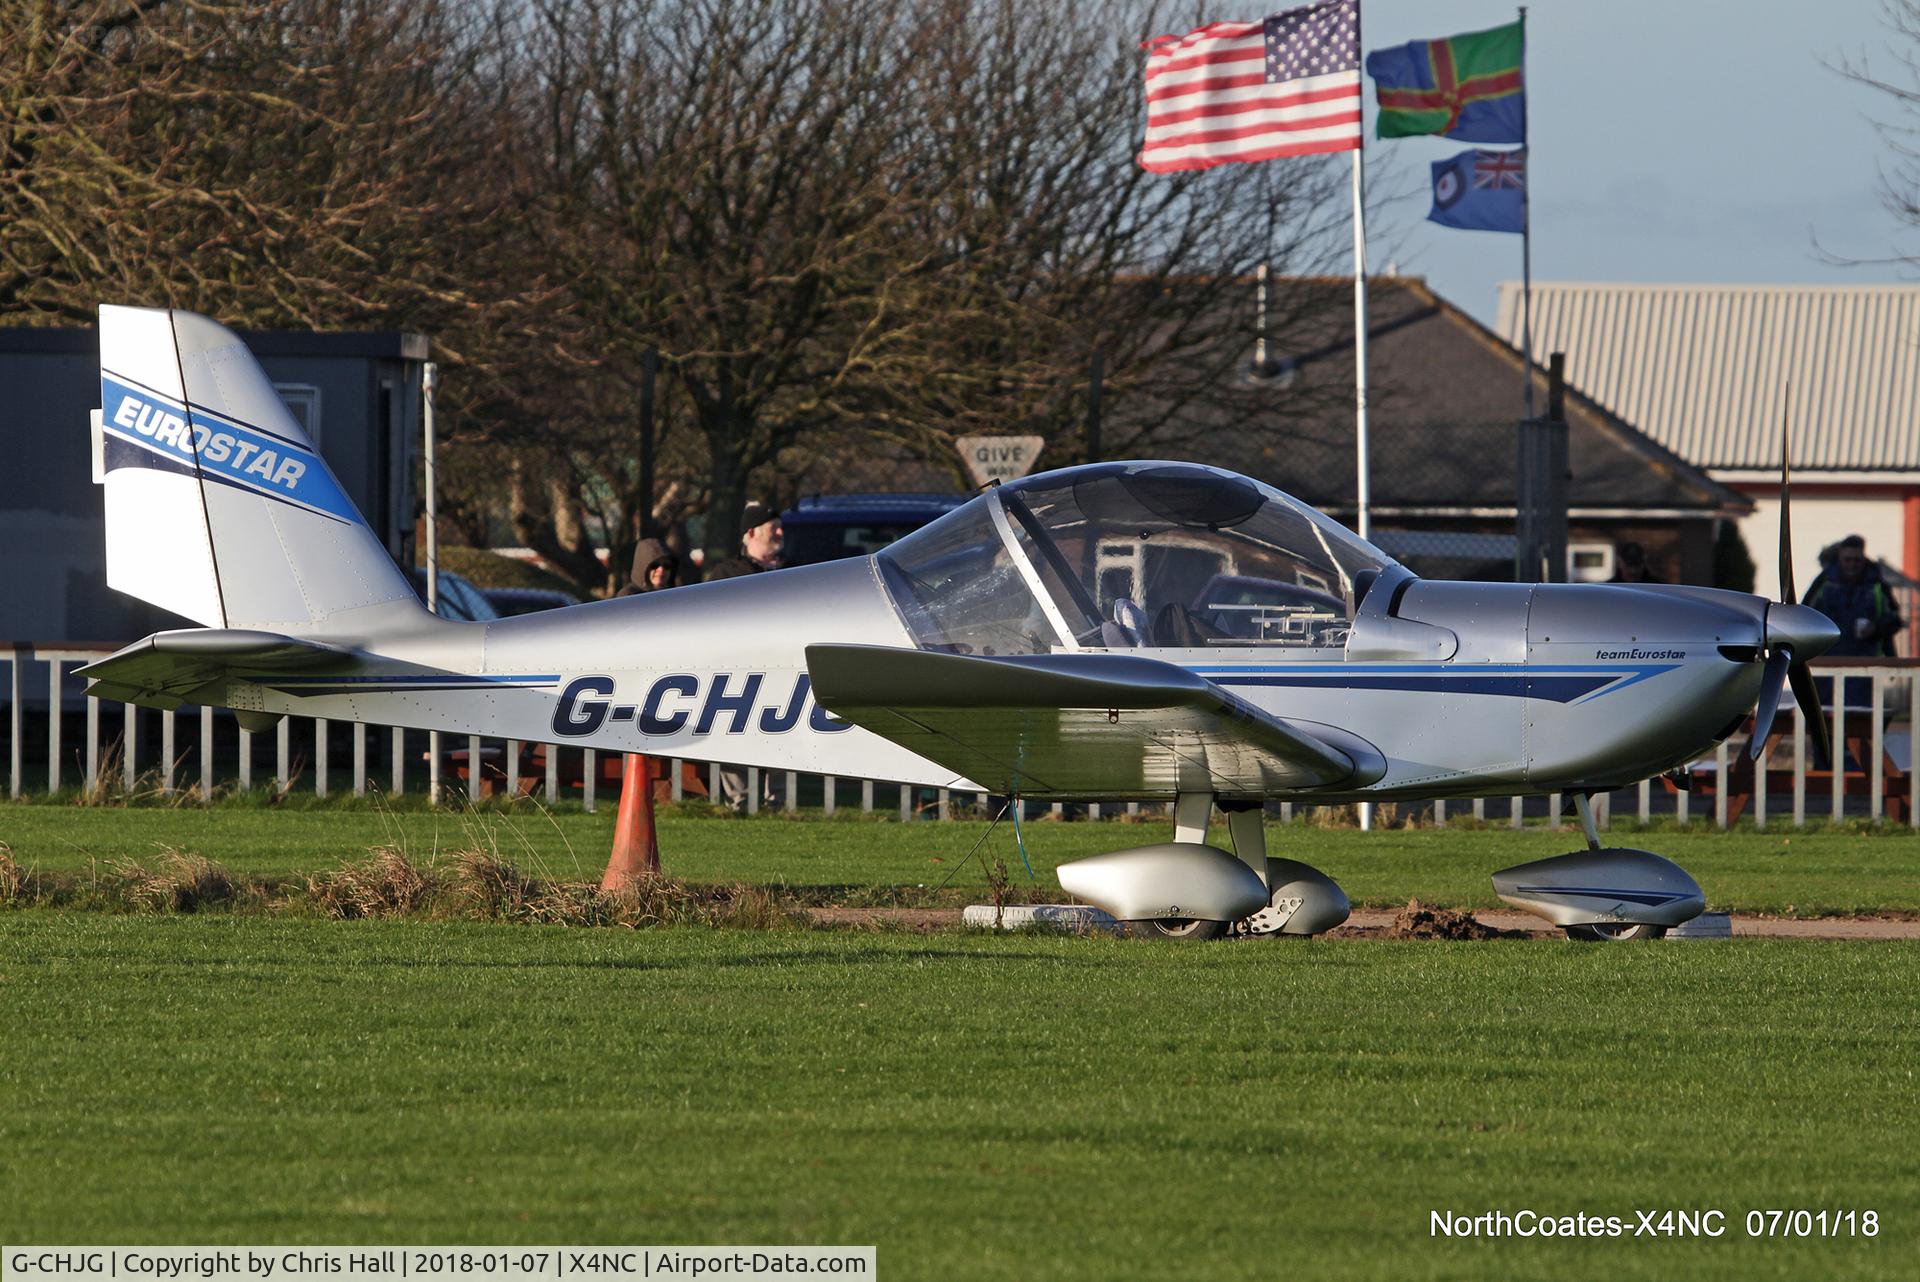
[1542,687]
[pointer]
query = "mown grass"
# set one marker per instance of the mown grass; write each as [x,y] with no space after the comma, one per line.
[1811,872]
[975,1106]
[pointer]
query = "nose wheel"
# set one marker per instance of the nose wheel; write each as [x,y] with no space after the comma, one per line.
[1605,932]
[1601,895]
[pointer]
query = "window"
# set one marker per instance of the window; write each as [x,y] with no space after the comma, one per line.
[1589,562]
[303,402]
[959,590]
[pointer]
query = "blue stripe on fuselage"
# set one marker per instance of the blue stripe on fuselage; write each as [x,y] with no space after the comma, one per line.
[1556,683]
[421,684]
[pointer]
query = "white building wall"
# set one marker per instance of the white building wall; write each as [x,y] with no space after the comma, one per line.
[1818,520]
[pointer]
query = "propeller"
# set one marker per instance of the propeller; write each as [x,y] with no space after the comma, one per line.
[1795,633]
[1779,663]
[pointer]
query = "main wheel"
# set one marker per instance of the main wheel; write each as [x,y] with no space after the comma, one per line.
[1177,928]
[1614,931]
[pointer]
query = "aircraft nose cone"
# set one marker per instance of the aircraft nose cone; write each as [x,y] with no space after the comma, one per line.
[1809,632]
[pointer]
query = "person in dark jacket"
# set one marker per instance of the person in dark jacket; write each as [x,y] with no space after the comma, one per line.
[762,540]
[1630,565]
[655,568]
[1850,591]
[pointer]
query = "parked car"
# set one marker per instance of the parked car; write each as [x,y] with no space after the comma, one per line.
[511,601]
[458,598]
[828,527]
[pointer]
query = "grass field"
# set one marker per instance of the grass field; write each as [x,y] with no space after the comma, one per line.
[1814,872]
[976,1106]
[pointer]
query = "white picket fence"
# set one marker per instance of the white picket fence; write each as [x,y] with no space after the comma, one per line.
[1880,738]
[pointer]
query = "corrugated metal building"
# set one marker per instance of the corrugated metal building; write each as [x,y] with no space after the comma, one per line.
[1701,369]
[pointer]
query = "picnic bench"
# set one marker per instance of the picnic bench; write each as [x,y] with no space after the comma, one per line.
[570,769]
[1855,766]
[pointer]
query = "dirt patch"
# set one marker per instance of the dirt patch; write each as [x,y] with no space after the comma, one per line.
[922,921]
[1877,927]
[1420,921]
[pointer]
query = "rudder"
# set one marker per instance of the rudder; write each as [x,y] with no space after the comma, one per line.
[218,507]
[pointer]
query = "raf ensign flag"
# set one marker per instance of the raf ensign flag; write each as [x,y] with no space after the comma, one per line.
[1480,191]
[1288,86]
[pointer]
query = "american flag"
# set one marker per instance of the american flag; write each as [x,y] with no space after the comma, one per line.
[1288,86]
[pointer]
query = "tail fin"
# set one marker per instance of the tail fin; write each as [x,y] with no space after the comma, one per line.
[218,506]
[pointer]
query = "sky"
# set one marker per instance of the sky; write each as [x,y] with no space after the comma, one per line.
[1697,141]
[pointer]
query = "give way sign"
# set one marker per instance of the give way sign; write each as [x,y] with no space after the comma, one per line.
[999,458]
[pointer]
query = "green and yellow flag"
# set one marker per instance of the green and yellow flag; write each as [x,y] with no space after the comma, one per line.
[1467,87]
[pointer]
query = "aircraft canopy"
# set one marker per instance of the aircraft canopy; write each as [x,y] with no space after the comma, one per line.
[1122,555]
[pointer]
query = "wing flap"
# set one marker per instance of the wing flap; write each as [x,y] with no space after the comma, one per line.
[1072,725]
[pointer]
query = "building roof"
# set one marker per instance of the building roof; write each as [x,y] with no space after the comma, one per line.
[397,344]
[1443,407]
[1701,368]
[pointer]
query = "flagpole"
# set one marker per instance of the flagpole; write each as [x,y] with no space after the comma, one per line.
[1526,235]
[1365,522]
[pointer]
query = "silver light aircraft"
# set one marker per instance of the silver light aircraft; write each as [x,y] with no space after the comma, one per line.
[1119,631]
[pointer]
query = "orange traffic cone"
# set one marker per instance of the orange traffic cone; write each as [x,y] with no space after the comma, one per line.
[636,848]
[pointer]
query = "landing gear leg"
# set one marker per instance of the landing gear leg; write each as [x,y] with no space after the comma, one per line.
[1583,806]
[1247,825]
[1303,900]
[1191,811]
[1186,889]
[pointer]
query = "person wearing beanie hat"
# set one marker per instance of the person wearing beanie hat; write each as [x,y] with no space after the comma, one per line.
[762,541]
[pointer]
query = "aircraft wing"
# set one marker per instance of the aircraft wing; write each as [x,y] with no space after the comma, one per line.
[1071,725]
[168,669]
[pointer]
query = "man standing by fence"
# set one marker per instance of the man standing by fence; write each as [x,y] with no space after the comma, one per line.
[1850,591]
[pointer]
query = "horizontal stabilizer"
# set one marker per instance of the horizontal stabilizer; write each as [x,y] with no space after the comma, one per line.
[166,669]
[1072,725]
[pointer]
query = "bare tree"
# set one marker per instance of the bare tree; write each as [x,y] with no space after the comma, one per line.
[304,163]
[1899,87]
[294,163]
[847,226]
[69,69]
[897,219]
[721,186]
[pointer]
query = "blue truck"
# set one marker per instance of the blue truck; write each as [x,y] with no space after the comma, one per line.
[828,527]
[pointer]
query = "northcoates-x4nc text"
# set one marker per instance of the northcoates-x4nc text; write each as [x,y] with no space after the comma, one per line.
[1767,1223]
